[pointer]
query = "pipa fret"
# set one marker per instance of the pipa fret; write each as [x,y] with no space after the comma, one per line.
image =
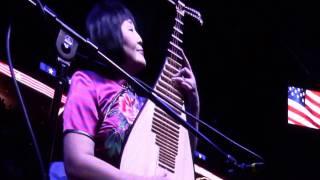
[159,144]
[162,123]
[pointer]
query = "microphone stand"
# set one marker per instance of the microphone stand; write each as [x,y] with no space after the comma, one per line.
[66,47]
[158,101]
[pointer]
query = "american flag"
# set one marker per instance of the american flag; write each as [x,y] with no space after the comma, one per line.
[304,107]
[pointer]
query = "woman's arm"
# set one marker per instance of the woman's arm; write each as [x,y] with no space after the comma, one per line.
[80,162]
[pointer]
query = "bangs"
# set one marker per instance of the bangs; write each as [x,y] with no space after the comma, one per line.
[104,26]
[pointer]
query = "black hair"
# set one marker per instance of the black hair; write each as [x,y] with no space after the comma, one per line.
[104,27]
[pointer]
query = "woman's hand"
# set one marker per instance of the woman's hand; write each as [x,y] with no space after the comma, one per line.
[186,82]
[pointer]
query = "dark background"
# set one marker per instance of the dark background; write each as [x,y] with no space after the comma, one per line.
[244,57]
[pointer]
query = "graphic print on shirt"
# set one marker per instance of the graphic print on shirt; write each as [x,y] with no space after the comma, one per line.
[123,109]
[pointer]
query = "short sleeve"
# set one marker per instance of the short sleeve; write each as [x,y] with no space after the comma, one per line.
[80,111]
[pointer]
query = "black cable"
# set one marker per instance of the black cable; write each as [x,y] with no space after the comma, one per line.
[202,122]
[25,113]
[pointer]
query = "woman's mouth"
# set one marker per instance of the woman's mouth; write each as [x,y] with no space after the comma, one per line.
[140,51]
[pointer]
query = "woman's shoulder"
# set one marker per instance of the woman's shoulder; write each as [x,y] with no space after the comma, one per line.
[89,75]
[85,74]
[97,78]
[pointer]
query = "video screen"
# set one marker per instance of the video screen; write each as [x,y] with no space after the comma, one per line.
[304,107]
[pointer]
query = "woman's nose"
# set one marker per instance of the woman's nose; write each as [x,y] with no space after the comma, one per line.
[139,39]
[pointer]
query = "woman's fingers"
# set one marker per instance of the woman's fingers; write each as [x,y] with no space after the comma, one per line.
[183,83]
[184,72]
[186,61]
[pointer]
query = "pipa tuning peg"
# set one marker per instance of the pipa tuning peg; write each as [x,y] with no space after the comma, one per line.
[194,13]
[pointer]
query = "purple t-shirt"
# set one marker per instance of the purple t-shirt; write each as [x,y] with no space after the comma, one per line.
[102,109]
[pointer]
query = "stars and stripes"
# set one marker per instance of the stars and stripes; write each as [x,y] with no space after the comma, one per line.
[47,69]
[304,107]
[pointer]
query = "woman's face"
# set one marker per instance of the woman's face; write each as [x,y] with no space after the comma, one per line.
[132,45]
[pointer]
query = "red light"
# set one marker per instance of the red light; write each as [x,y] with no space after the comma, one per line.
[30,82]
